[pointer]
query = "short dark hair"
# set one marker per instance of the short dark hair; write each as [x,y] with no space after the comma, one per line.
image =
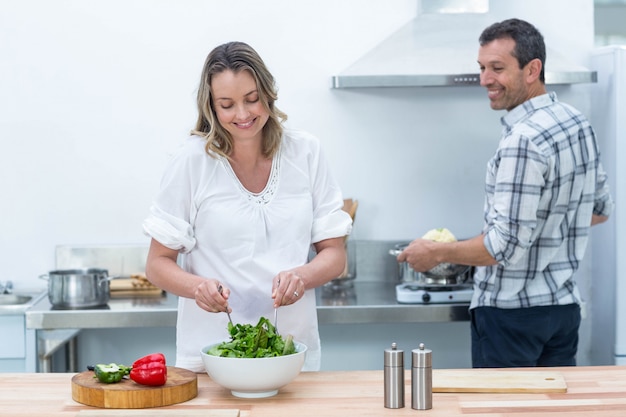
[529,43]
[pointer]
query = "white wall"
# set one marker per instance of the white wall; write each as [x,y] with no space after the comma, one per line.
[96,94]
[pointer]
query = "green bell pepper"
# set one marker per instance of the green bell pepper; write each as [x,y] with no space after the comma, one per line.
[110,373]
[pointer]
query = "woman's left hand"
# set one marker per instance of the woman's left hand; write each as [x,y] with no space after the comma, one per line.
[288,287]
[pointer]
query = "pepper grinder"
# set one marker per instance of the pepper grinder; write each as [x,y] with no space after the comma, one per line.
[422,379]
[394,377]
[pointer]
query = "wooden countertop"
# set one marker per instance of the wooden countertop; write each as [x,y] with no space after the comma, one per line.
[592,391]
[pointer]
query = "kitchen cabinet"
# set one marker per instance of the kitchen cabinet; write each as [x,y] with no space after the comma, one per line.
[17,350]
[13,346]
[13,329]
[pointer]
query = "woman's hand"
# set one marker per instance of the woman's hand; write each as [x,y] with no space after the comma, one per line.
[212,296]
[288,287]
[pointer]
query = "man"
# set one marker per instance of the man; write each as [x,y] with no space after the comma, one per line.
[545,187]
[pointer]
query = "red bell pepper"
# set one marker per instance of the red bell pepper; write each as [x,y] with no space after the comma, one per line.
[150,370]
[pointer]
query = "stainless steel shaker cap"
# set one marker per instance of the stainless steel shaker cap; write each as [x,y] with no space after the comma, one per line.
[394,356]
[422,357]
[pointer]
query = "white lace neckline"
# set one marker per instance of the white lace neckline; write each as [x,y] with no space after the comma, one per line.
[266,195]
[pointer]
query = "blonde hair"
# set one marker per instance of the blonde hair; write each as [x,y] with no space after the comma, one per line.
[237,56]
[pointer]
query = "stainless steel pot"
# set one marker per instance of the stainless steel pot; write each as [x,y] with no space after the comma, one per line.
[444,274]
[78,288]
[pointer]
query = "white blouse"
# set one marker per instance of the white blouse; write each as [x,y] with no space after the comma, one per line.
[245,239]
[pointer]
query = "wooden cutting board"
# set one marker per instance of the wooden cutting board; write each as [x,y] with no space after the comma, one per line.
[135,286]
[136,293]
[497,381]
[123,284]
[181,386]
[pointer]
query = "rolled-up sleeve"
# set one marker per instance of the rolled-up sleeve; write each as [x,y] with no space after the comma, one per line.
[170,231]
[516,193]
[329,220]
[603,202]
[335,224]
[169,221]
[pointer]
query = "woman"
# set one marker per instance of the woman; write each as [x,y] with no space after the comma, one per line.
[243,200]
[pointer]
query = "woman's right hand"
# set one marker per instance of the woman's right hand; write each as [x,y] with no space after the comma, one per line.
[212,296]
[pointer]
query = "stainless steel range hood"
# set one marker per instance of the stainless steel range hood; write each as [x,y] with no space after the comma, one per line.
[440,49]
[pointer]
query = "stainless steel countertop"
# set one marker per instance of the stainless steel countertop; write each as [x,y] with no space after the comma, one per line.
[375,302]
[364,302]
[120,312]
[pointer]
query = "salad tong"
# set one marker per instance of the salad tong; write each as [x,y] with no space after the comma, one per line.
[276,312]
[220,289]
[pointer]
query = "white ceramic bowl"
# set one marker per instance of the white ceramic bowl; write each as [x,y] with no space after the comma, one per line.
[254,377]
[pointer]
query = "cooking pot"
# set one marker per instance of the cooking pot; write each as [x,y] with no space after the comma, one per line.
[78,288]
[444,274]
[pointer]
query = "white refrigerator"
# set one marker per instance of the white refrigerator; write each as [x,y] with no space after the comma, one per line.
[608,115]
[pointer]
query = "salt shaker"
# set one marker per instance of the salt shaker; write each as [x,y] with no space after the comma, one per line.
[394,377]
[422,379]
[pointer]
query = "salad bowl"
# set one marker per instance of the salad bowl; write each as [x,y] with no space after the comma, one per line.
[253,377]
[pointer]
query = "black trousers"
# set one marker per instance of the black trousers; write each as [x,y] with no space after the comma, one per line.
[535,336]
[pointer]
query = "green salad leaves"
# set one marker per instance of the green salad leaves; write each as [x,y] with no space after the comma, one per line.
[248,341]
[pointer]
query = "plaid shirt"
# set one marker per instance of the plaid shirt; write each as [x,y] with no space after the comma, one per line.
[542,186]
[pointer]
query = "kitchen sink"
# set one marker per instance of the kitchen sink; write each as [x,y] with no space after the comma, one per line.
[14,299]
[18,302]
